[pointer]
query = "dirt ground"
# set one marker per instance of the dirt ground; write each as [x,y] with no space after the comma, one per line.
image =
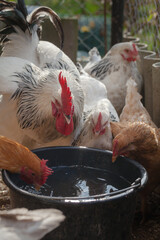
[150,230]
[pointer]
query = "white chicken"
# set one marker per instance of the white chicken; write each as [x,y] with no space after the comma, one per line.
[21,223]
[29,117]
[98,112]
[21,36]
[114,69]
[94,56]
[44,106]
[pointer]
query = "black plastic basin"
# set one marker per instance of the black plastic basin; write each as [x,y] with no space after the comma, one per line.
[80,190]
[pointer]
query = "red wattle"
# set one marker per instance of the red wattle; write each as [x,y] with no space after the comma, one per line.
[69,128]
[130,59]
[62,126]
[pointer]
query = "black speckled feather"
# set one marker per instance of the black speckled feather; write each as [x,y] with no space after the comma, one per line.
[15,14]
[102,68]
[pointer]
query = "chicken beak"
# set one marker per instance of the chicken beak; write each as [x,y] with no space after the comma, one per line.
[96,133]
[115,150]
[138,58]
[68,118]
[114,157]
[37,186]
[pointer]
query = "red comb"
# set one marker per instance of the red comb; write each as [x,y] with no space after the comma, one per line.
[65,95]
[98,125]
[46,171]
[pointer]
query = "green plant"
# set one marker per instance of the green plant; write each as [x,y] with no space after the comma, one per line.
[72,7]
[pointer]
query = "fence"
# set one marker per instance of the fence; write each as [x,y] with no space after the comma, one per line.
[94,21]
[142,19]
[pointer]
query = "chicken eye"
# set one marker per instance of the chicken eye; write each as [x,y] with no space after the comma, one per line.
[127,51]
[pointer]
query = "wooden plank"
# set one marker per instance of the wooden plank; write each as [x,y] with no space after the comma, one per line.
[70,27]
[156,93]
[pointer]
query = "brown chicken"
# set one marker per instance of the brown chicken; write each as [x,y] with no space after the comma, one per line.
[134,109]
[137,137]
[16,158]
[140,142]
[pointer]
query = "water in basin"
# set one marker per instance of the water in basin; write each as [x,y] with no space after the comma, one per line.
[78,181]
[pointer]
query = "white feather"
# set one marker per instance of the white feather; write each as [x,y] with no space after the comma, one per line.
[22,45]
[36,89]
[46,61]
[9,66]
[114,72]
[96,102]
[27,46]
[9,126]
[94,56]
[21,223]
[49,53]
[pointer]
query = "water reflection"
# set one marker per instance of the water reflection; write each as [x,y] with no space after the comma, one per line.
[79,181]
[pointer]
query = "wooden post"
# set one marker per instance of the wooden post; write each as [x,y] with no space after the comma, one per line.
[149,58]
[105,26]
[148,93]
[70,27]
[117,21]
[156,93]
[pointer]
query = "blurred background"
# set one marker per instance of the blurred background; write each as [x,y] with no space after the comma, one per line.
[93,21]
[95,18]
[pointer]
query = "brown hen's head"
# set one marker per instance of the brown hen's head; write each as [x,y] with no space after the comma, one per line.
[30,177]
[16,158]
[135,139]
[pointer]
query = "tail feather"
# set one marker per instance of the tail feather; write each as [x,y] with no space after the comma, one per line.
[6,30]
[13,17]
[132,92]
[13,14]
[22,8]
[4,4]
[40,13]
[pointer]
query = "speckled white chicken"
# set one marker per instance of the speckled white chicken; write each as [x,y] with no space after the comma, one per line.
[114,69]
[28,63]
[44,106]
[98,112]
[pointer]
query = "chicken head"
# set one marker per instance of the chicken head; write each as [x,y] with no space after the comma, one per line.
[63,112]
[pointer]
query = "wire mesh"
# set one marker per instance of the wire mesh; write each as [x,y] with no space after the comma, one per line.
[142,19]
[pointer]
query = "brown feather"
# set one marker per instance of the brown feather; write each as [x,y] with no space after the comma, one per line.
[141,142]
[134,110]
[14,156]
